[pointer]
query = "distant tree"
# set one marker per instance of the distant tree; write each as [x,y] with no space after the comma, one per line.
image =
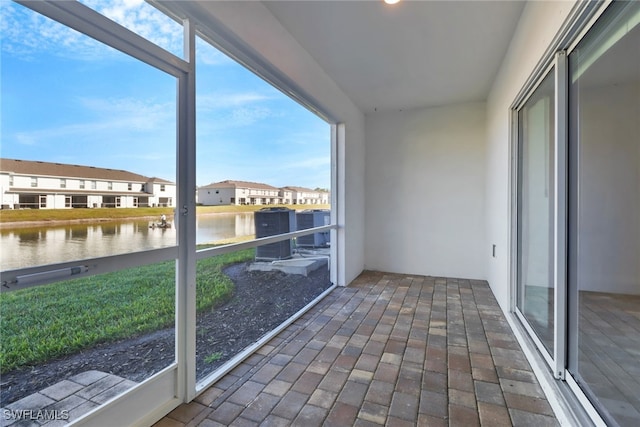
[321,189]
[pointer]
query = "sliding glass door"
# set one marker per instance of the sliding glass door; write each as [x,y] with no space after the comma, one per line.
[535,211]
[604,287]
[590,114]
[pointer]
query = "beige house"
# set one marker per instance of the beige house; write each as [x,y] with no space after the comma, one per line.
[231,192]
[307,196]
[286,195]
[26,184]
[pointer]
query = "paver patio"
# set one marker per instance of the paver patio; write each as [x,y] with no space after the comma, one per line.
[64,401]
[390,349]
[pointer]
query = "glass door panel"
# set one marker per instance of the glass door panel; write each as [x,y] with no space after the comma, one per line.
[604,278]
[535,211]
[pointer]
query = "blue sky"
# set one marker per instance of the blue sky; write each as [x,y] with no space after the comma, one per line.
[66,98]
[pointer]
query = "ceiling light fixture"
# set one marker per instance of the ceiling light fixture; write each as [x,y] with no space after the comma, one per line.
[391,1]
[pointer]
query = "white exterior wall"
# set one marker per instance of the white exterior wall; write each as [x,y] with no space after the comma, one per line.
[51,188]
[287,197]
[309,198]
[296,198]
[254,196]
[21,181]
[55,201]
[169,191]
[127,201]
[55,194]
[94,201]
[424,185]
[48,183]
[351,213]
[74,184]
[538,25]
[120,186]
[209,197]
[271,196]
[7,199]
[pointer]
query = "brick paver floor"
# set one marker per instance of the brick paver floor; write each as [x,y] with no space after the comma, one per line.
[389,349]
[65,401]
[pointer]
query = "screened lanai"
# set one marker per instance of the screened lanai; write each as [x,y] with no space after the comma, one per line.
[484,214]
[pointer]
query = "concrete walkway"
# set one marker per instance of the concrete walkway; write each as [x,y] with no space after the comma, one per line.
[65,401]
[390,350]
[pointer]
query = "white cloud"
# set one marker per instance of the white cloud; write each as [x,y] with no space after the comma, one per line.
[143,19]
[134,114]
[26,139]
[207,55]
[308,163]
[123,133]
[117,115]
[225,110]
[317,136]
[226,100]
[248,115]
[212,57]
[27,34]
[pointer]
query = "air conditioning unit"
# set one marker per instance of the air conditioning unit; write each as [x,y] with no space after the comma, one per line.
[271,222]
[313,218]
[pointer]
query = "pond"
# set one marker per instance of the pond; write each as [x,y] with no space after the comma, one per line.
[26,247]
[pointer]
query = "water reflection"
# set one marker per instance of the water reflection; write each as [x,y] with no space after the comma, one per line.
[30,236]
[25,247]
[212,228]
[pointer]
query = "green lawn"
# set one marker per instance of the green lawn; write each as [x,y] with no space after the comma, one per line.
[44,322]
[10,215]
[49,321]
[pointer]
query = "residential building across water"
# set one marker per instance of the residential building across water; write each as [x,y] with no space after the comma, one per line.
[26,184]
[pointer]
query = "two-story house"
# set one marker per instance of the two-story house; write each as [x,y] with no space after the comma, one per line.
[306,196]
[231,192]
[26,184]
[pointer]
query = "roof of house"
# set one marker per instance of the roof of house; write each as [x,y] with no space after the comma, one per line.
[38,168]
[240,184]
[159,180]
[300,189]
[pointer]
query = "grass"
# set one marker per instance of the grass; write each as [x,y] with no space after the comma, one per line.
[214,357]
[11,215]
[45,322]
[30,215]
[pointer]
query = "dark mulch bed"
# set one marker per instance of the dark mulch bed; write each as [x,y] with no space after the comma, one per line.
[261,301]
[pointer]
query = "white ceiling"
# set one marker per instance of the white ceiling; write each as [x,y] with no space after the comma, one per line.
[409,55]
[412,54]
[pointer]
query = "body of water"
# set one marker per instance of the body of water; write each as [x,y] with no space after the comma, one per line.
[27,247]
